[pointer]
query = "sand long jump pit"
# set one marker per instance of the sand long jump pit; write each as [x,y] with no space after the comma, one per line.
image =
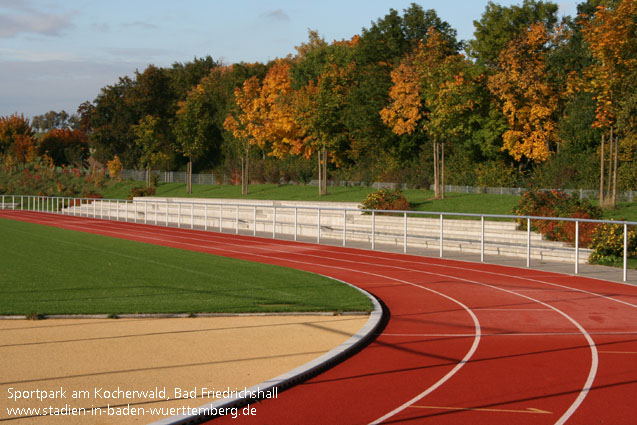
[136,371]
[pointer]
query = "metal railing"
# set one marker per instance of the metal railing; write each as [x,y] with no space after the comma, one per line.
[406,228]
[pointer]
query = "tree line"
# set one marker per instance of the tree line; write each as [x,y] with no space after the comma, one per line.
[531,99]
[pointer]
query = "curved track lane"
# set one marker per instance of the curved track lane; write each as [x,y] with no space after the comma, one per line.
[465,343]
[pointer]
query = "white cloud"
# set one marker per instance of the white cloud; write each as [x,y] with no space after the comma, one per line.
[20,17]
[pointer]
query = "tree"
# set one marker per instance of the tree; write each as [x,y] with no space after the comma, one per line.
[433,92]
[499,25]
[611,34]
[149,140]
[246,126]
[65,147]
[322,78]
[16,138]
[527,98]
[194,129]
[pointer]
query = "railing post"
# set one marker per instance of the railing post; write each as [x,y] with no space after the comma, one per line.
[116,209]
[576,247]
[528,242]
[254,220]
[192,216]
[344,227]
[273,222]
[441,235]
[179,215]
[296,210]
[13,202]
[155,206]
[373,230]
[205,216]
[482,239]
[145,212]
[318,226]
[126,211]
[166,213]
[625,252]
[220,218]
[236,222]
[405,233]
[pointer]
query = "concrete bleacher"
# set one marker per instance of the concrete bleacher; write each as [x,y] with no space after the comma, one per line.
[258,217]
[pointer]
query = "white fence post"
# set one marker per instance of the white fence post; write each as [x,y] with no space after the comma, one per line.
[482,239]
[220,218]
[274,222]
[625,252]
[236,222]
[344,227]
[192,216]
[295,221]
[373,230]
[166,213]
[318,226]
[179,215]
[205,217]
[528,242]
[405,233]
[576,247]
[254,220]
[441,235]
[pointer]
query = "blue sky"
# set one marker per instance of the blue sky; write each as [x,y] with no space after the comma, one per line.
[57,54]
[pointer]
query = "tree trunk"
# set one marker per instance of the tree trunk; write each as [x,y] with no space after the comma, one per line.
[324,171]
[245,173]
[601,176]
[442,172]
[436,172]
[189,176]
[609,173]
[615,155]
[148,176]
[320,172]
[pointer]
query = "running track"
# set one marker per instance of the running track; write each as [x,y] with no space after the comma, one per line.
[466,343]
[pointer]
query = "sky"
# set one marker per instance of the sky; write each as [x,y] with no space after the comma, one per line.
[56,54]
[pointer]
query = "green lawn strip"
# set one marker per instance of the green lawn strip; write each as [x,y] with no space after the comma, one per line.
[420,200]
[47,270]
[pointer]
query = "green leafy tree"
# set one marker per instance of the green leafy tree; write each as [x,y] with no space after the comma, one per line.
[149,140]
[499,25]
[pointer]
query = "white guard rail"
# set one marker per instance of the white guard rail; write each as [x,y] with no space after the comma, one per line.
[401,228]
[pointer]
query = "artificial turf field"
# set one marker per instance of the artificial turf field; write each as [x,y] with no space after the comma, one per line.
[46,270]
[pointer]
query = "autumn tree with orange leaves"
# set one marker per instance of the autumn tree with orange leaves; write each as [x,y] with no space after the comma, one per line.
[433,90]
[528,100]
[611,35]
[265,117]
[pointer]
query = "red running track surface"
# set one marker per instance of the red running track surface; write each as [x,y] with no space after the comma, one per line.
[466,343]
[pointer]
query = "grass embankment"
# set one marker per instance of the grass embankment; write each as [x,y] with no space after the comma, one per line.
[46,270]
[420,200]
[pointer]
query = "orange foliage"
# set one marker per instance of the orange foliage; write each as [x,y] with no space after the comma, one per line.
[611,39]
[528,100]
[404,111]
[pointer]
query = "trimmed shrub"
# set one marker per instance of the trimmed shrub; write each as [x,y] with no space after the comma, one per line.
[557,204]
[608,244]
[141,191]
[385,199]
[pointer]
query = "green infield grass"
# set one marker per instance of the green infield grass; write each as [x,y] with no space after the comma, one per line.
[47,270]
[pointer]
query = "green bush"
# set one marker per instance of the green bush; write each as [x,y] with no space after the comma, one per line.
[386,199]
[608,244]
